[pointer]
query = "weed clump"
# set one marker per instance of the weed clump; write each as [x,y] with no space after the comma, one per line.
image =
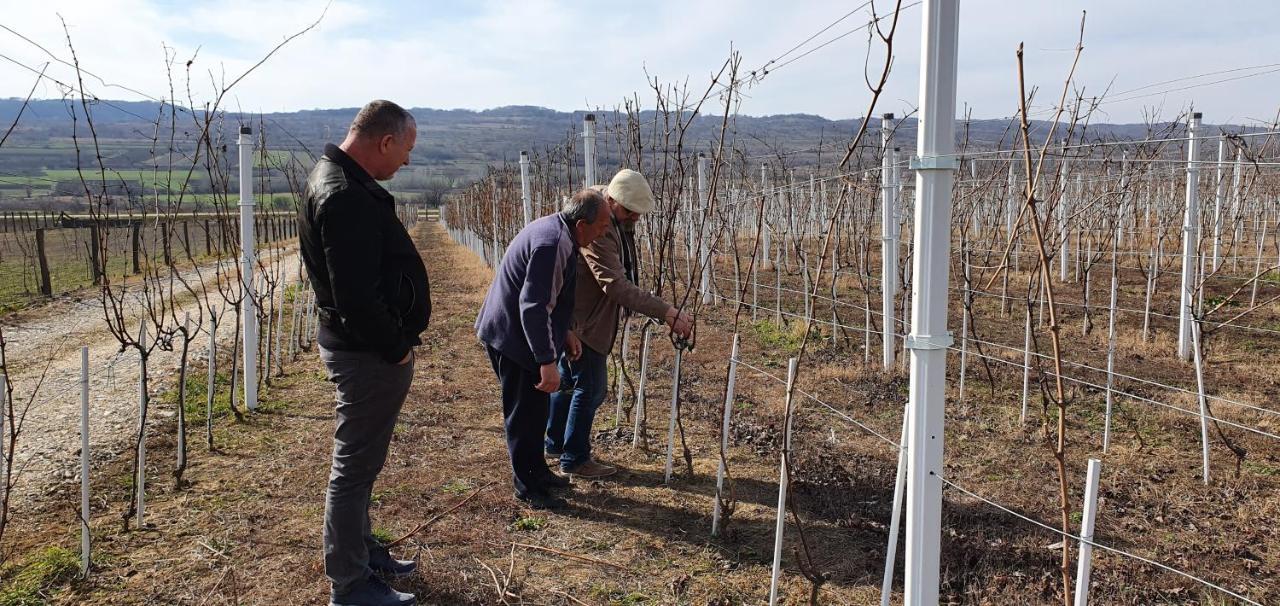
[32,582]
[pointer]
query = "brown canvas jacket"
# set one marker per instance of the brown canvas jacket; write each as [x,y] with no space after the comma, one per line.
[603,290]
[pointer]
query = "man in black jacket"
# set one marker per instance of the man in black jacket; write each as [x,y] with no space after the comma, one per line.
[373,299]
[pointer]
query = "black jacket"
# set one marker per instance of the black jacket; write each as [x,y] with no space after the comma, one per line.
[371,287]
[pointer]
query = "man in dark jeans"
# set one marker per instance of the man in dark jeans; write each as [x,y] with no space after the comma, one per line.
[374,300]
[524,324]
[607,286]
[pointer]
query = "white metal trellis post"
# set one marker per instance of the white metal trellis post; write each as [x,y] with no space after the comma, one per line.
[84,461]
[1220,190]
[250,315]
[783,484]
[1190,239]
[704,242]
[724,436]
[895,518]
[675,411]
[1203,401]
[888,242]
[934,166]
[1086,532]
[525,195]
[589,150]
[4,406]
[140,480]
[622,366]
[766,235]
[967,295]
[1064,211]
[637,411]
[1111,336]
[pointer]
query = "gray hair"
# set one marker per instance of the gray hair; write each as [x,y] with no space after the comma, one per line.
[380,118]
[583,206]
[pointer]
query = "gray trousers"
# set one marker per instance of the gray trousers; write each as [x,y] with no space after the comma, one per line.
[370,392]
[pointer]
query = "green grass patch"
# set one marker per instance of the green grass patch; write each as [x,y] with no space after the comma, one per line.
[779,339]
[196,404]
[1262,468]
[383,536]
[631,599]
[34,581]
[457,487]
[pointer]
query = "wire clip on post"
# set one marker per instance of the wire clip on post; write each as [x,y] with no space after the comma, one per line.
[934,163]
[930,341]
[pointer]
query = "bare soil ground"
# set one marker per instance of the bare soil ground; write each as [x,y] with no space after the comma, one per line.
[247,528]
[43,349]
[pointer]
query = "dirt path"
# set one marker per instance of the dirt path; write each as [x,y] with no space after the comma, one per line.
[247,528]
[43,348]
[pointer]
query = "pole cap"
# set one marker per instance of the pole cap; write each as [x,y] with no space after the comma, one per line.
[524,154]
[1196,115]
[245,130]
[888,116]
[590,118]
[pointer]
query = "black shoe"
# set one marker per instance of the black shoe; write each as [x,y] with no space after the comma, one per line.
[551,480]
[372,592]
[542,500]
[382,563]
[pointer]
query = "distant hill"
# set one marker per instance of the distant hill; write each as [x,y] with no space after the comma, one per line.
[454,145]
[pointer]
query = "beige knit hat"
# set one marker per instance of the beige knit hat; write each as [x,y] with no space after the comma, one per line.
[631,190]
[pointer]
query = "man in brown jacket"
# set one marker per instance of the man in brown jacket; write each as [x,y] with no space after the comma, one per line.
[608,270]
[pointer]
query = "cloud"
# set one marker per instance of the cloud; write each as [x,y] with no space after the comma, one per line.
[571,55]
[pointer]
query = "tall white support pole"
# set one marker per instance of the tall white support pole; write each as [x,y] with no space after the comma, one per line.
[1064,213]
[765,233]
[903,206]
[638,410]
[140,481]
[589,150]
[1111,334]
[182,378]
[675,409]
[783,473]
[704,242]
[1220,190]
[1190,240]
[1237,205]
[967,295]
[4,406]
[934,166]
[724,436]
[622,366]
[1204,403]
[1086,532]
[525,194]
[866,336]
[250,305]
[895,518]
[1010,214]
[888,241]
[84,462]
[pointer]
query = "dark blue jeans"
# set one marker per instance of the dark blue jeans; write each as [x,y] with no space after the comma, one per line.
[573,408]
[524,414]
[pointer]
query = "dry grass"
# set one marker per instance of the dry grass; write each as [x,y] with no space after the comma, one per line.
[247,530]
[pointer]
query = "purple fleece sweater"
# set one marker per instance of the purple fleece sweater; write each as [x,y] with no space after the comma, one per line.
[530,303]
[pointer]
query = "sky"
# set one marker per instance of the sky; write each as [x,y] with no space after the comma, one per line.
[1151,58]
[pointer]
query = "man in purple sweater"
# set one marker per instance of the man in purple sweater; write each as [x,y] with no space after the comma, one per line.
[524,325]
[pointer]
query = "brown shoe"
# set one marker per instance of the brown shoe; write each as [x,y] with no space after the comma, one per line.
[592,470]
